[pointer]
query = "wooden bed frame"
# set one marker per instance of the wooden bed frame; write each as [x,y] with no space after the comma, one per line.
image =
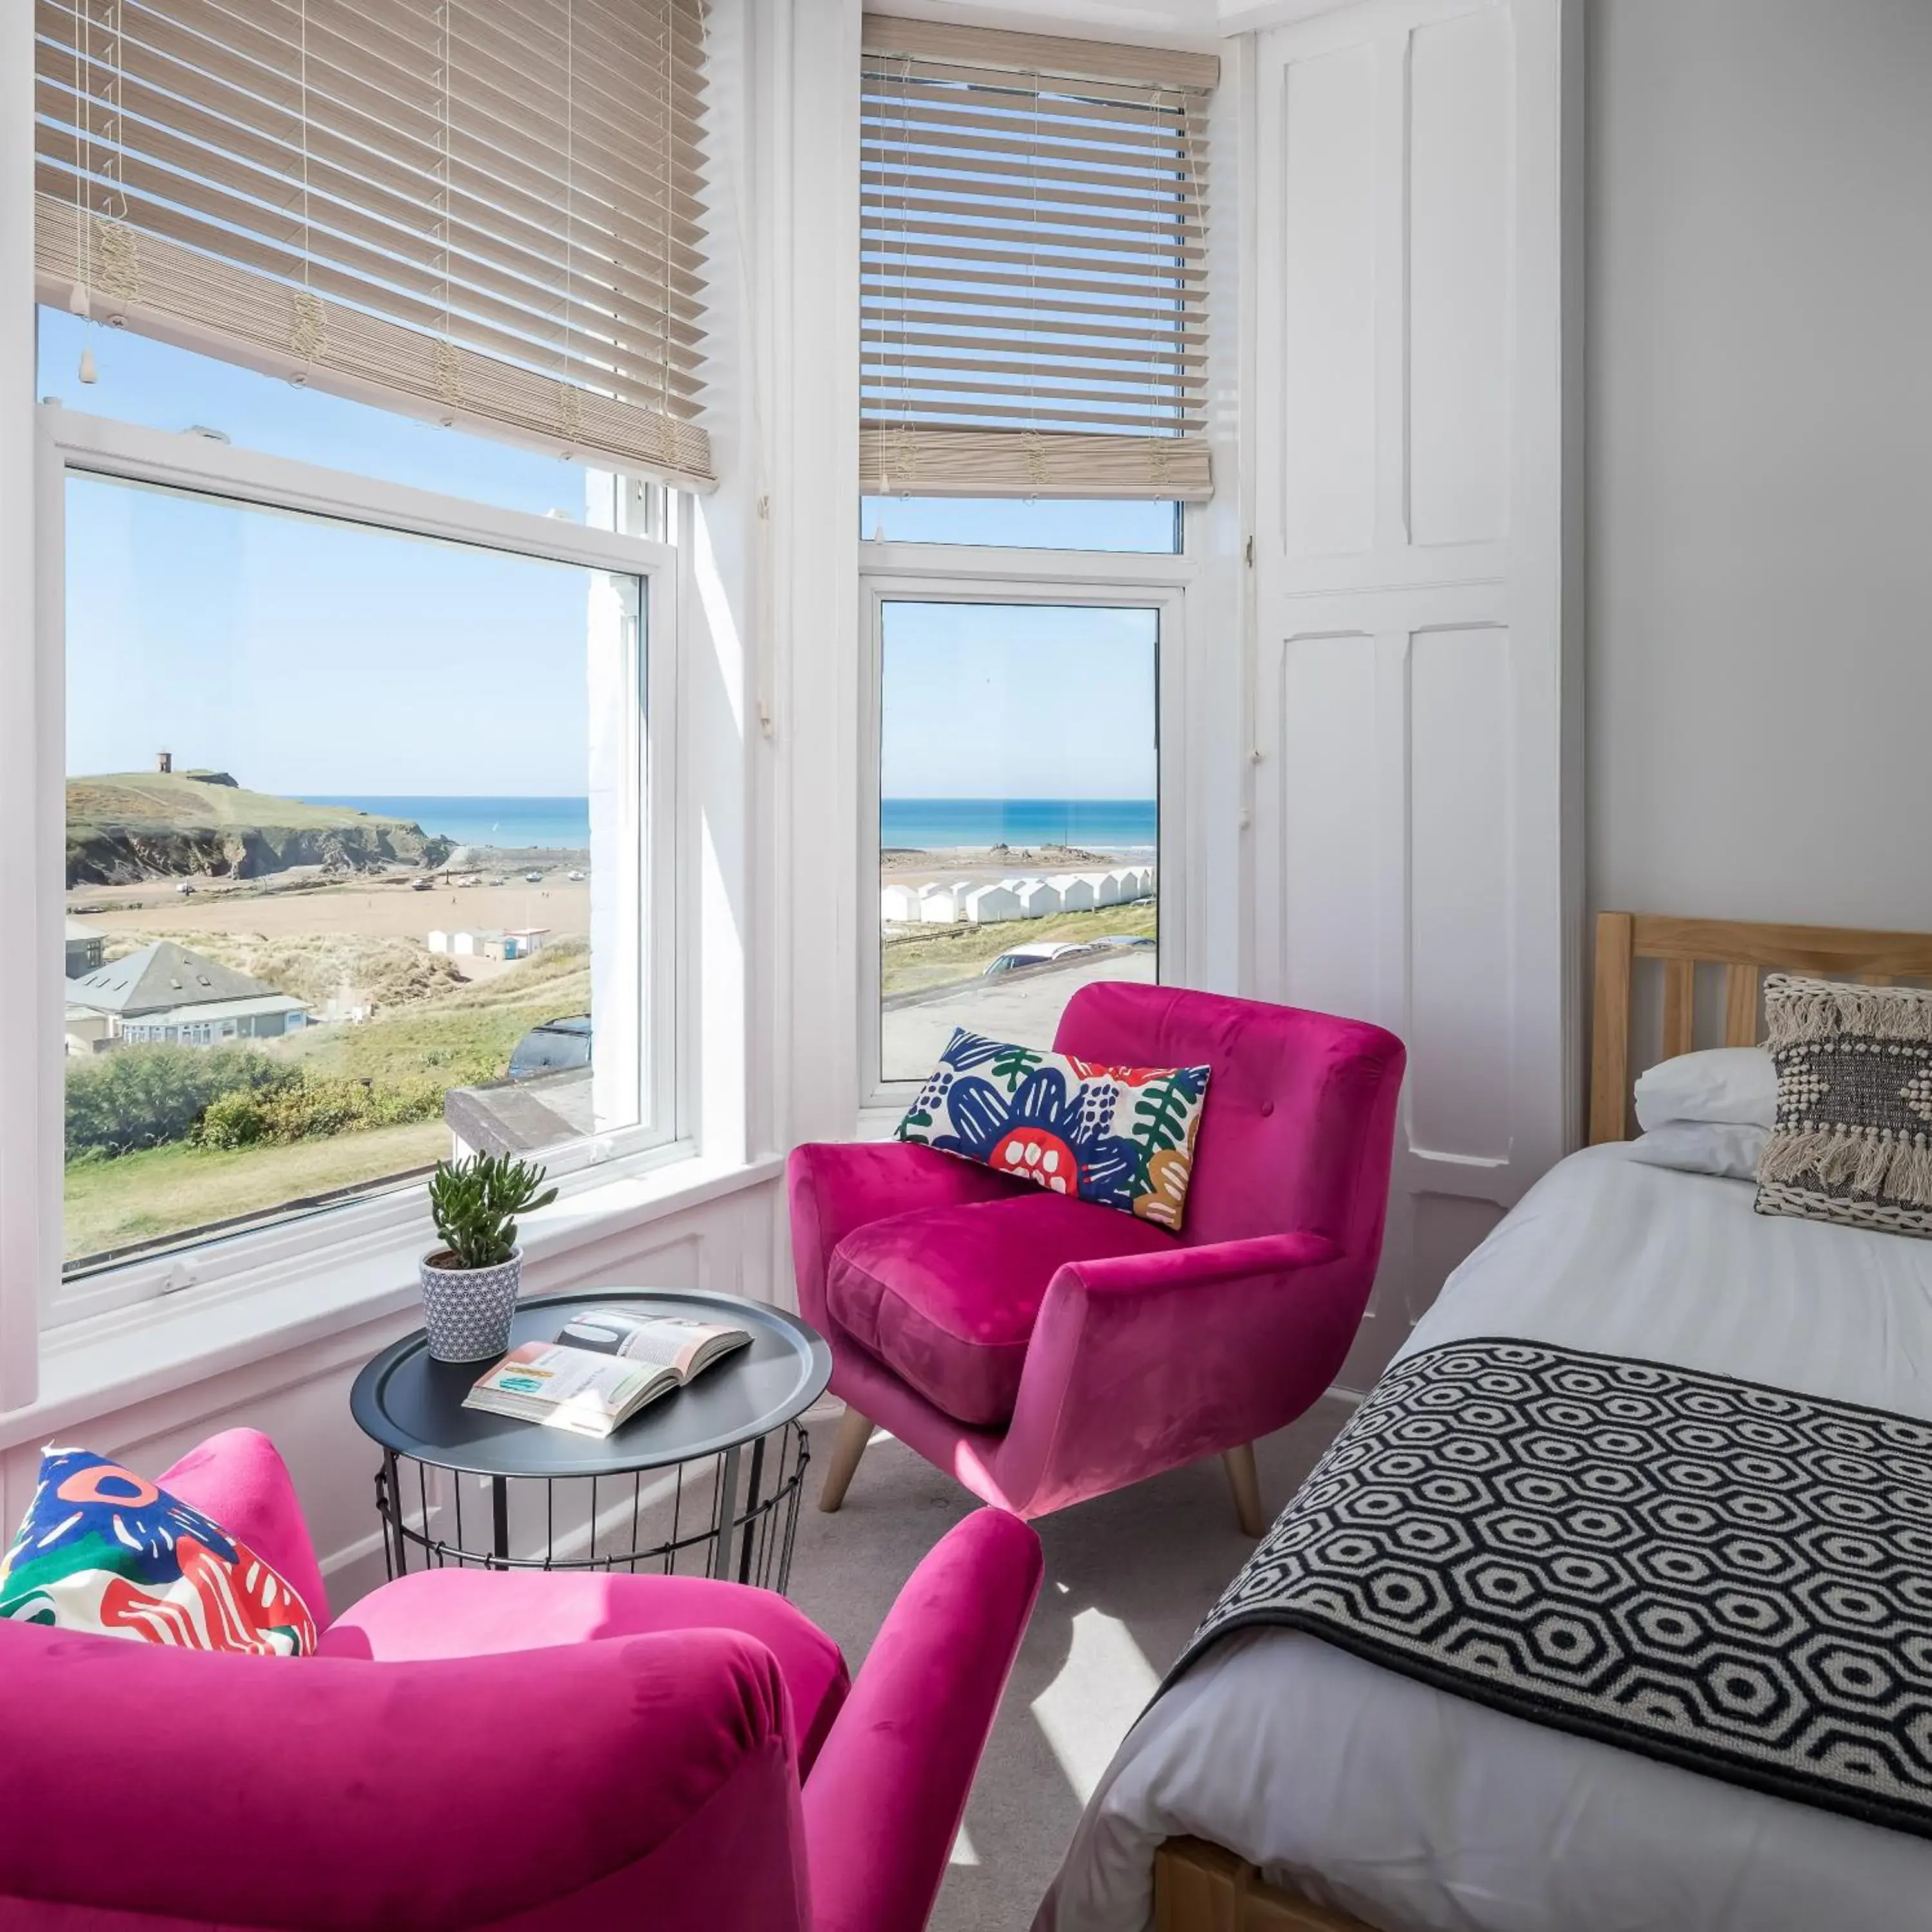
[1199,1886]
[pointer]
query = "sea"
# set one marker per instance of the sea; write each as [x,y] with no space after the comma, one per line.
[560,824]
[1098,824]
[919,824]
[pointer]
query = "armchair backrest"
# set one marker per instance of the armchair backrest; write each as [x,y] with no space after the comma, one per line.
[1299,1127]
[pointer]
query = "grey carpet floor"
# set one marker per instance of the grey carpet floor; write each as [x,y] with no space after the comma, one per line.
[1128,1577]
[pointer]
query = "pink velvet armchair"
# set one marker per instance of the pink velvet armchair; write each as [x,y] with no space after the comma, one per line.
[462,1753]
[1044,1349]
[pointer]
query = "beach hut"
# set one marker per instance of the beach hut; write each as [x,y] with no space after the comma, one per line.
[983,903]
[937,906]
[439,940]
[1141,877]
[1076,891]
[1110,888]
[899,902]
[1039,899]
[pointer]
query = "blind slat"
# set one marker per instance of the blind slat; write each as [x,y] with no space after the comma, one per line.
[1034,248]
[914,349]
[886,100]
[961,462]
[883,33]
[975,154]
[215,296]
[497,208]
[400,116]
[118,284]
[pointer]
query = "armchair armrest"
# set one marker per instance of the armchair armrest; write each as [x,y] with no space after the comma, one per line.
[1214,1261]
[834,1186]
[650,1776]
[884,1803]
[1142,1363]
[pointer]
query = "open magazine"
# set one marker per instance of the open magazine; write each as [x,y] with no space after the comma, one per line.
[606,1363]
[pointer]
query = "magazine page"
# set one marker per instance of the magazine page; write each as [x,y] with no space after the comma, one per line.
[570,1385]
[673,1341]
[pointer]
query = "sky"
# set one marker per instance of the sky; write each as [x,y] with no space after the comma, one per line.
[311,657]
[980,700]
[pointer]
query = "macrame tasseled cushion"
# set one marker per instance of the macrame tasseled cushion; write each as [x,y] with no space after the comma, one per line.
[1853,1140]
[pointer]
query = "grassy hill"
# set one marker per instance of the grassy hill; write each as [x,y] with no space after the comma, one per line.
[122,826]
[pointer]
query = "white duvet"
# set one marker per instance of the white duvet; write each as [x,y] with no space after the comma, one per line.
[1420,1812]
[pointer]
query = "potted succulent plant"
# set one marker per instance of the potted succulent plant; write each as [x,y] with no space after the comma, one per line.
[469,1284]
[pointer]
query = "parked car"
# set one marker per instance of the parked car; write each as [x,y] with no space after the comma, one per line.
[534,878]
[1047,953]
[1015,958]
[577,875]
[557,1046]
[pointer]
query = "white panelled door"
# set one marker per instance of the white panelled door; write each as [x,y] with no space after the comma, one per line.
[1418,826]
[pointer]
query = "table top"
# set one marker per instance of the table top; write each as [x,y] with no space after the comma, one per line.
[414,1405]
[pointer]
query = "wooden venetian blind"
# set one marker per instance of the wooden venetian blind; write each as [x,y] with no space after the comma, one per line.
[1033,238]
[492,206]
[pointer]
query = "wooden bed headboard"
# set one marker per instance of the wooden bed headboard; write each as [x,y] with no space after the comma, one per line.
[1746,953]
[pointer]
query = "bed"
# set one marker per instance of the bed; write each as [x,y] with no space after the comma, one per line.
[1284,1785]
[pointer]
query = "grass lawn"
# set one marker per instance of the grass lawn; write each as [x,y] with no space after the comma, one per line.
[142,1197]
[916,957]
[464,1036]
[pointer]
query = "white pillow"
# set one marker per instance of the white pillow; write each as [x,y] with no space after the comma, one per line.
[1728,1147]
[1734,1084]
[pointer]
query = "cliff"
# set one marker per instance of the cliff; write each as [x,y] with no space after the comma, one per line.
[125,826]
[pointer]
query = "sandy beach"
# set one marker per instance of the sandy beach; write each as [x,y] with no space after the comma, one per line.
[990,863]
[381,907]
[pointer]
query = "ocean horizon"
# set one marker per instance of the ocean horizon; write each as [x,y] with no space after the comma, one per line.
[557,824]
[1100,824]
[914,824]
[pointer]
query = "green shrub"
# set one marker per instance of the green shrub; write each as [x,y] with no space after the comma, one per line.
[232,1121]
[315,1107]
[143,1097]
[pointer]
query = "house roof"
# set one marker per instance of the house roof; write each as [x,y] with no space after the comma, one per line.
[160,976]
[204,1011]
[78,928]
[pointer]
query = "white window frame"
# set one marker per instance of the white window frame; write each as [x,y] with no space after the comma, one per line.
[32,1140]
[968,574]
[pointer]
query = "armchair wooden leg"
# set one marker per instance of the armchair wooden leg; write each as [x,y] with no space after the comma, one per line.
[854,1432]
[1246,1485]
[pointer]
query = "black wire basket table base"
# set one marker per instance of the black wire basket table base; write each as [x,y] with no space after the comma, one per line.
[732,1515]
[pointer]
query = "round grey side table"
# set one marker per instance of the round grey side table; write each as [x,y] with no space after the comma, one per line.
[686,1458]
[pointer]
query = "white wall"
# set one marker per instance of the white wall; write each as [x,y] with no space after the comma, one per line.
[1760,370]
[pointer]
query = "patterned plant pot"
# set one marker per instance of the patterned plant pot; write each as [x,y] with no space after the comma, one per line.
[466,1312]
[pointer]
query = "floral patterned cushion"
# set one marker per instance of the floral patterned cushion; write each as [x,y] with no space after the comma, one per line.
[104,1550]
[1122,1136]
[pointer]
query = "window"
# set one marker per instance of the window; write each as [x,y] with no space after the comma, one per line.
[353,827]
[1034,395]
[1019,817]
[369,810]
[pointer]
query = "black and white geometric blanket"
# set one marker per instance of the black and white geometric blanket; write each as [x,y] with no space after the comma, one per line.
[1731,1577]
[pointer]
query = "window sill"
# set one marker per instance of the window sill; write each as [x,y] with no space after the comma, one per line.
[110,1361]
